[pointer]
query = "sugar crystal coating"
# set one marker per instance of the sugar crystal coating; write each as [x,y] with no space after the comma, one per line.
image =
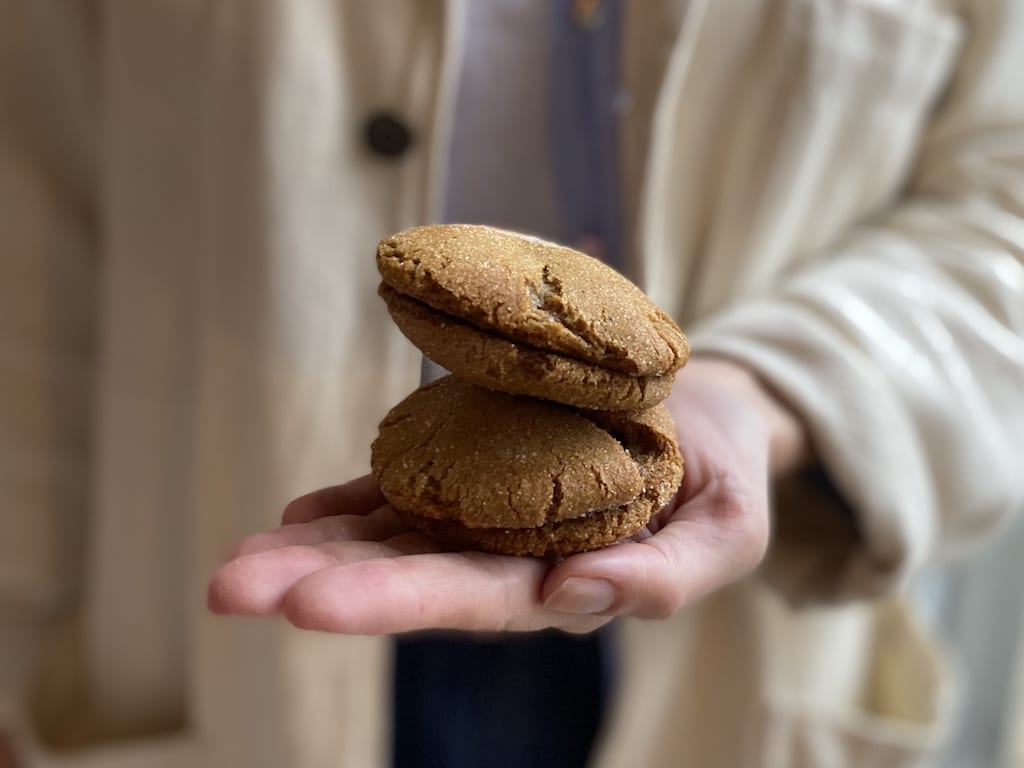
[534,292]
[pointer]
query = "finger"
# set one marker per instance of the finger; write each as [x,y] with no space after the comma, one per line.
[378,525]
[469,591]
[255,584]
[356,497]
[684,561]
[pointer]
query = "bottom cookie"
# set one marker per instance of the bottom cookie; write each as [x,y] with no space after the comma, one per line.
[478,469]
[562,537]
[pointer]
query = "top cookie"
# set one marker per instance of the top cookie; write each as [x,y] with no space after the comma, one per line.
[535,293]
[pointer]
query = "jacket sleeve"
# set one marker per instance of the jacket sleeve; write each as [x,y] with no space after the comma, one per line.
[903,348]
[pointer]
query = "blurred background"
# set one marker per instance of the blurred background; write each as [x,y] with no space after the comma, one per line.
[977,610]
[185,346]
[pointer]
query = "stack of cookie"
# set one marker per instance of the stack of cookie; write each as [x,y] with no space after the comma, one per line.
[549,437]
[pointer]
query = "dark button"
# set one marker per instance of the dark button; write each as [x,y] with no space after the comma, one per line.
[387,135]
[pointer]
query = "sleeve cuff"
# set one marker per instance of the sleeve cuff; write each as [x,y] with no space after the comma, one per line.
[858,525]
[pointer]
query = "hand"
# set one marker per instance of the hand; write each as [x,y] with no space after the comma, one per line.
[343,561]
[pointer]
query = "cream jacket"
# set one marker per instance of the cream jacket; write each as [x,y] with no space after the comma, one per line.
[831,191]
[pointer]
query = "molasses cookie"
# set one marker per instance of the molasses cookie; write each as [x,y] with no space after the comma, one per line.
[480,469]
[525,316]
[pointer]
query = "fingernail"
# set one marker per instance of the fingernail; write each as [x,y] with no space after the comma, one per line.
[576,595]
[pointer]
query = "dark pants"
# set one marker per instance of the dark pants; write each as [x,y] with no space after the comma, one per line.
[516,700]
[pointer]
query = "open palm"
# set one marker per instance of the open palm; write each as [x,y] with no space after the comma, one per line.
[343,560]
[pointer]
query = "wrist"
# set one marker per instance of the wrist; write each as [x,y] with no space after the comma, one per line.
[789,442]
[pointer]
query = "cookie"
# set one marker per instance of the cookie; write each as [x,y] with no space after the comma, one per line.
[497,363]
[522,315]
[515,475]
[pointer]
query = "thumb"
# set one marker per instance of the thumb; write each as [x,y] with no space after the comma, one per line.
[712,540]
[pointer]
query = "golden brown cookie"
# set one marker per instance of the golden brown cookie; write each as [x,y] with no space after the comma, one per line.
[514,475]
[522,315]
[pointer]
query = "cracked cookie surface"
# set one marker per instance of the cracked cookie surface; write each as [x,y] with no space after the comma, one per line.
[516,475]
[534,293]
